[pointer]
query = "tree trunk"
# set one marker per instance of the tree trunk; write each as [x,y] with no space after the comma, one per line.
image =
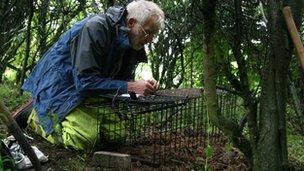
[14,129]
[28,42]
[1,74]
[42,20]
[230,128]
[208,61]
[271,150]
[249,101]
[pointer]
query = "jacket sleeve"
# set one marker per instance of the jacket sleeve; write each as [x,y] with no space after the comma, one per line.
[88,52]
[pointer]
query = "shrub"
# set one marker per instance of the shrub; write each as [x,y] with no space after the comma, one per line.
[10,95]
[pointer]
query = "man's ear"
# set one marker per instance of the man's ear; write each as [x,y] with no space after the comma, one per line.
[131,22]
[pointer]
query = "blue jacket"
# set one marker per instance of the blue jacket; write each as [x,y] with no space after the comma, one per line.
[93,56]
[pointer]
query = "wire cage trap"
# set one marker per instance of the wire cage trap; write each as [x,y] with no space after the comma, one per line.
[159,128]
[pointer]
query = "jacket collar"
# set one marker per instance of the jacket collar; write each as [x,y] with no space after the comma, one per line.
[142,56]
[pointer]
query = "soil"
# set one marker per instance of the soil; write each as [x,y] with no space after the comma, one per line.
[189,159]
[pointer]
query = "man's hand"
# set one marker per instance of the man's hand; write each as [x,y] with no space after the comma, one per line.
[143,87]
[154,83]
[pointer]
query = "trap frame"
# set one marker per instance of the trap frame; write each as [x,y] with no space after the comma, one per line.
[159,128]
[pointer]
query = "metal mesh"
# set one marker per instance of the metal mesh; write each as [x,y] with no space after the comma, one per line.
[159,128]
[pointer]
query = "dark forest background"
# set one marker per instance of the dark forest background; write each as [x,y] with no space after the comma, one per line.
[241,46]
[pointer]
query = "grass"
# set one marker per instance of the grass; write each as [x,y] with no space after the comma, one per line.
[11,97]
[74,164]
[295,148]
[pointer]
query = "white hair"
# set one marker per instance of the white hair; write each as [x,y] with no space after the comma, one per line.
[142,10]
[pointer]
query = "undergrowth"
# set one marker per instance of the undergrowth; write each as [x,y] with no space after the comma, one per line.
[10,95]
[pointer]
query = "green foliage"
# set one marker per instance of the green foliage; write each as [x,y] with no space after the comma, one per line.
[6,162]
[295,148]
[9,94]
[209,151]
[57,133]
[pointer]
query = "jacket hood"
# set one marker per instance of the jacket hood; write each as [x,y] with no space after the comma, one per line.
[116,14]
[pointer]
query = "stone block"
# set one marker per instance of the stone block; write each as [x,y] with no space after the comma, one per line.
[111,160]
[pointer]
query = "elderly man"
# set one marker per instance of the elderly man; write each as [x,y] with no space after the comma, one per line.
[97,55]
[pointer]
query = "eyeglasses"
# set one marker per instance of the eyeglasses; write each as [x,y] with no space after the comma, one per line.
[146,34]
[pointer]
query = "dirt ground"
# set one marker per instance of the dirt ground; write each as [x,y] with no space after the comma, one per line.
[66,159]
[224,158]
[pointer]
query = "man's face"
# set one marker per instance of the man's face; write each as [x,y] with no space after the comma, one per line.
[142,34]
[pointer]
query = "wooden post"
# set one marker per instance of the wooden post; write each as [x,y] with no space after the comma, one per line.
[14,129]
[293,31]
